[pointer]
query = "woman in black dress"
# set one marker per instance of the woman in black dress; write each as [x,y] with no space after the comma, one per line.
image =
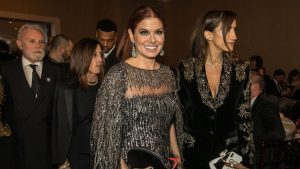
[74,106]
[214,92]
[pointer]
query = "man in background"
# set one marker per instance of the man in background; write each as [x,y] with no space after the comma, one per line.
[60,53]
[275,87]
[106,34]
[60,49]
[265,114]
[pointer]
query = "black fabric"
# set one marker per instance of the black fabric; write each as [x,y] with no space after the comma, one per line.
[279,154]
[266,119]
[64,68]
[267,124]
[143,157]
[29,117]
[36,81]
[211,128]
[110,60]
[272,89]
[71,124]
[7,153]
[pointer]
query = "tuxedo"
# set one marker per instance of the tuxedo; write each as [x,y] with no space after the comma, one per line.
[29,117]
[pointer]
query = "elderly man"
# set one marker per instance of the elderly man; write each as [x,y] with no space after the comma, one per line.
[29,87]
[106,34]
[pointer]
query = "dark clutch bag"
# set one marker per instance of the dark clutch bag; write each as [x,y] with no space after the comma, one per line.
[140,157]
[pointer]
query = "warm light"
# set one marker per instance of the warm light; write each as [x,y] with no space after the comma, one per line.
[164,0]
[10,22]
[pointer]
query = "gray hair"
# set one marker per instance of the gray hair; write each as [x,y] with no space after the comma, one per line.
[31,26]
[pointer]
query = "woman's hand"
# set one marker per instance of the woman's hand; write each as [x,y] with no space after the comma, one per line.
[123,164]
[65,165]
[236,166]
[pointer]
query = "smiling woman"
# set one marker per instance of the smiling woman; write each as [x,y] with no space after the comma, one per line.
[137,104]
[147,38]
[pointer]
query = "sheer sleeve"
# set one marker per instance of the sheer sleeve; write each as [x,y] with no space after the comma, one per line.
[106,125]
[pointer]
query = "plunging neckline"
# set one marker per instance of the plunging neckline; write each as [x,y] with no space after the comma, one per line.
[203,86]
[213,95]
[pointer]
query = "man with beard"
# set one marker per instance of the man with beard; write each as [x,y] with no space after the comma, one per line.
[29,85]
[60,52]
[60,49]
[106,34]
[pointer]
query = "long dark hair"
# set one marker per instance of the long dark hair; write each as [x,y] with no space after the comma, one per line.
[209,22]
[125,45]
[81,58]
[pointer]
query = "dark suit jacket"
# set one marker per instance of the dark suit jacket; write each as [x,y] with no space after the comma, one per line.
[266,119]
[110,61]
[64,68]
[271,89]
[29,117]
[267,125]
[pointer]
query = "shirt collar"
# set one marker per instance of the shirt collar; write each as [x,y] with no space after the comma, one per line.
[26,62]
[252,101]
[106,54]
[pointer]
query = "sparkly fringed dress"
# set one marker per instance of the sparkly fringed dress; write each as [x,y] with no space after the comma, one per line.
[134,108]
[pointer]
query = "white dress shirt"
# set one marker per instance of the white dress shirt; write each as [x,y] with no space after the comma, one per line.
[28,70]
[252,101]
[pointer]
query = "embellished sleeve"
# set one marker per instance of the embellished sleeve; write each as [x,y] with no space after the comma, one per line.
[106,125]
[244,119]
[182,137]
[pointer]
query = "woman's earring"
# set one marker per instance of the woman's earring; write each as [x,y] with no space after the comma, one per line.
[133,52]
[162,53]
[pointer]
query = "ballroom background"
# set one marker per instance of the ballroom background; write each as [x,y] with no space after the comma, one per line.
[269,28]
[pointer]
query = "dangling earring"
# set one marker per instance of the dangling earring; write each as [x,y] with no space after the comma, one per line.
[162,53]
[133,52]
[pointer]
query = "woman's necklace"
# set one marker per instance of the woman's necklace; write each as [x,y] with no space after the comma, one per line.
[93,83]
[214,64]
